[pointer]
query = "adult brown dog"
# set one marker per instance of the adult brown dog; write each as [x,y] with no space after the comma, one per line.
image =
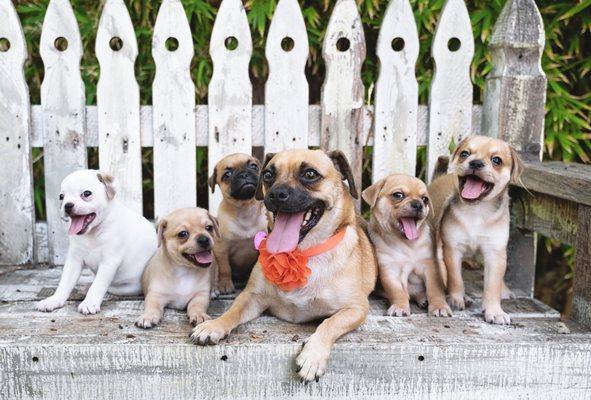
[304,190]
[472,218]
[240,217]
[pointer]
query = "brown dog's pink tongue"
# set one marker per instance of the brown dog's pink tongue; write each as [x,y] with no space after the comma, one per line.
[76,224]
[409,225]
[286,233]
[472,188]
[204,257]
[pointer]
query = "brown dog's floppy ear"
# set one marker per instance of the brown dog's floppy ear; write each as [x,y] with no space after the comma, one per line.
[342,165]
[370,195]
[109,183]
[259,193]
[516,165]
[160,230]
[215,223]
[212,179]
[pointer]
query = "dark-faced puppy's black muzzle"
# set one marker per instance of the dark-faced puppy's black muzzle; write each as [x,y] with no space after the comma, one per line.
[244,184]
[283,198]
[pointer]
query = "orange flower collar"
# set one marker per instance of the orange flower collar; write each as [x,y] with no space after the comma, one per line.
[290,270]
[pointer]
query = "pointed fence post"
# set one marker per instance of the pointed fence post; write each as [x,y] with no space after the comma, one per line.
[62,102]
[17,216]
[173,94]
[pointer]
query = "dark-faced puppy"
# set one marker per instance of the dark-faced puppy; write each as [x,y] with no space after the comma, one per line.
[472,220]
[404,244]
[332,267]
[240,216]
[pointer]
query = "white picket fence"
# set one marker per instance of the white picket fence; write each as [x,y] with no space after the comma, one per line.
[395,125]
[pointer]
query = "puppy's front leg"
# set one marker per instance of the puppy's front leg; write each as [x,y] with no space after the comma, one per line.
[396,293]
[495,264]
[70,275]
[452,258]
[222,256]
[313,359]
[94,297]
[197,308]
[438,307]
[153,311]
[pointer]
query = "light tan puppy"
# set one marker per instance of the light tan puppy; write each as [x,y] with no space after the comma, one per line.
[178,275]
[472,218]
[240,216]
[404,244]
[304,190]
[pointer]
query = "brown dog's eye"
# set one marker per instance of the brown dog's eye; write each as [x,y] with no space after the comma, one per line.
[227,175]
[464,154]
[183,234]
[61,196]
[398,195]
[497,160]
[268,176]
[425,200]
[209,228]
[253,166]
[311,174]
[86,193]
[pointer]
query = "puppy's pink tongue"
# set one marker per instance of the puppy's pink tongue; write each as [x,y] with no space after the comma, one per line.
[472,188]
[204,257]
[409,225]
[286,233]
[76,224]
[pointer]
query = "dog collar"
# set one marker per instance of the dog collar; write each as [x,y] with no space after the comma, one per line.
[290,270]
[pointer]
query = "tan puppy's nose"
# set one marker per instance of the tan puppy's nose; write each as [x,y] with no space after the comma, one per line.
[203,241]
[416,205]
[476,164]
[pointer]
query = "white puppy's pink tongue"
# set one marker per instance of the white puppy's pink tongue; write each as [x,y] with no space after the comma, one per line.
[472,188]
[76,224]
[204,257]
[409,225]
[286,233]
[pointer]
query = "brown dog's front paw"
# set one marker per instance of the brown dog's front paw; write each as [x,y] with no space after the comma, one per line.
[456,301]
[397,310]
[226,286]
[440,310]
[197,318]
[496,315]
[148,320]
[312,361]
[208,332]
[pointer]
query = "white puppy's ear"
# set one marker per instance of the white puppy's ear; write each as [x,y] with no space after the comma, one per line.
[215,223]
[109,183]
[161,228]
[370,195]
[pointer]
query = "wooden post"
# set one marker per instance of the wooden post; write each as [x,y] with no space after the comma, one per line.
[582,275]
[17,215]
[514,110]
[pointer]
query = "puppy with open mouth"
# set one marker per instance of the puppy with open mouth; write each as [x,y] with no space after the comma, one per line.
[317,262]
[111,240]
[178,275]
[404,244]
[240,216]
[472,218]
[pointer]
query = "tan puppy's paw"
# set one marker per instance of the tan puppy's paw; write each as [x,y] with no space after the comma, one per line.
[226,286]
[440,310]
[49,304]
[396,310]
[148,320]
[456,301]
[209,332]
[312,361]
[496,315]
[89,306]
[197,318]
[506,293]
[214,293]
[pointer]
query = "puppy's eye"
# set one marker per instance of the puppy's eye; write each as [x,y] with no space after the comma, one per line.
[425,200]
[497,160]
[253,166]
[209,228]
[61,196]
[86,193]
[268,176]
[227,175]
[183,234]
[311,174]
[398,195]
[464,154]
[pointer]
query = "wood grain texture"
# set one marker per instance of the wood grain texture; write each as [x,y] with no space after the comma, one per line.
[173,94]
[17,218]
[286,90]
[582,273]
[118,103]
[230,90]
[397,94]
[343,51]
[62,104]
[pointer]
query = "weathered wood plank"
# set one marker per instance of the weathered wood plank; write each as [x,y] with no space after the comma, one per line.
[582,273]
[397,94]
[286,90]
[17,218]
[343,51]
[173,93]
[62,104]
[118,103]
[450,99]
[230,90]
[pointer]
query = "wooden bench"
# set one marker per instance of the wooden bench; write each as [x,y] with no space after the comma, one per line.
[67,355]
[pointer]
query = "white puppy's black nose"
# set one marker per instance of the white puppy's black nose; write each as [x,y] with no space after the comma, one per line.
[68,207]
[476,164]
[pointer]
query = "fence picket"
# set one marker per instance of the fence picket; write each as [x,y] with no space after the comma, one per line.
[62,101]
[397,94]
[450,100]
[286,90]
[230,90]
[343,51]
[173,94]
[17,218]
[118,102]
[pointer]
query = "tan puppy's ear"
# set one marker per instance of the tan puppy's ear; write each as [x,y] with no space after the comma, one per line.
[431,208]
[109,183]
[516,165]
[342,165]
[160,229]
[370,195]
[211,181]
[460,145]
[440,167]
[259,193]
[215,223]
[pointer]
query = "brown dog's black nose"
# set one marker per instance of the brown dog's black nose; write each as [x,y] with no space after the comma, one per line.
[476,164]
[416,205]
[203,241]
[279,194]
[68,207]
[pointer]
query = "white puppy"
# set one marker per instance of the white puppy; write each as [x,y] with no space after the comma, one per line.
[105,236]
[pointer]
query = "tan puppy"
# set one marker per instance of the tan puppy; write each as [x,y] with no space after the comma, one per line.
[240,216]
[178,275]
[304,190]
[472,206]
[404,244]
